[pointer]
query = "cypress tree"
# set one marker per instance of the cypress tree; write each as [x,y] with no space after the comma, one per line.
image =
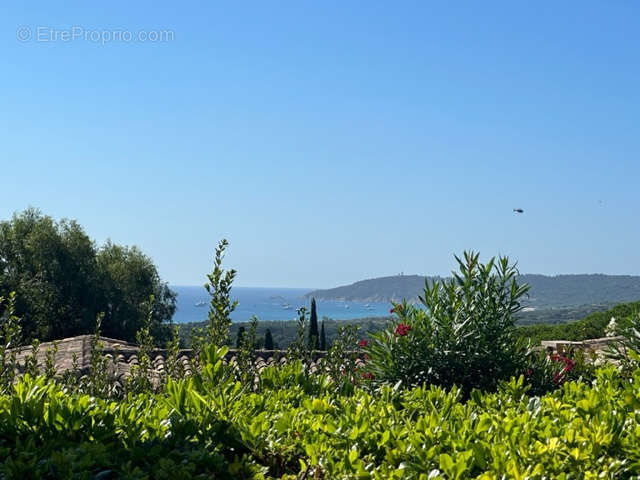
[241,332]
[314,335]
[323,338]
[268,340]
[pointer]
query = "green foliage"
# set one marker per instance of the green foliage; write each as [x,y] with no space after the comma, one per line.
[174,369]
[314,334]
[99,381]
[299,348]
[71,378]
[129,279]
[47,433]
[62,281]
[221,306]
[268,340]
[10,333]
[464,335]
[142,374]
[50,361]
[31,361]
[240,335]
[592,326]
[299,426]
[558,315]
[547,372]
[323,338]
[245,354]
[51,266]
[626,352]
[285,332]
[341,359]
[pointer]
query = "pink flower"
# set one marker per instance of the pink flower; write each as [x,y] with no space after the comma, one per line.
[362,343]
[402,329]
[392,310]
[568,363]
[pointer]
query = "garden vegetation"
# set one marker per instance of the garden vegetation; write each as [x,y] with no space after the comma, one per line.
[446,391]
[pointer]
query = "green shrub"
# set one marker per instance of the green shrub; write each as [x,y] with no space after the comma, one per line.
[340,361]
[212,427]
[547,372]
[10,336]
[626,353]
[220,308]
[463,336]
[142,374]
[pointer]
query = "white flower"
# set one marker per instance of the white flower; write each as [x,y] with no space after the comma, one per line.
[612,327]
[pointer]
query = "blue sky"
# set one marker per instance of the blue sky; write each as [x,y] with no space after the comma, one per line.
[330,141]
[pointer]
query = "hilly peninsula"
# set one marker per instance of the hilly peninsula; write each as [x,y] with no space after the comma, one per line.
[546,291]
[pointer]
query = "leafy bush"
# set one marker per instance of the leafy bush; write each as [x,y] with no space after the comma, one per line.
[245,355]
[142,374]
[340,362]
[626,353]
[299,349]
[221,307]
[463,336]
[547,372]
[298,426]
[10,333]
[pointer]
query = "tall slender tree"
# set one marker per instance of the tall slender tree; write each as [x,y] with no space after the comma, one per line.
[323,338]
[240,335]
[268,340]
[314,335]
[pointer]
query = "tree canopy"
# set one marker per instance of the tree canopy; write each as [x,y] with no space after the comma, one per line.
[63,281]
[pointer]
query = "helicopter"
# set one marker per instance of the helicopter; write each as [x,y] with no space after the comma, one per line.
[518,210]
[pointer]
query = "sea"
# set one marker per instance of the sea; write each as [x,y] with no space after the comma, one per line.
[270,304]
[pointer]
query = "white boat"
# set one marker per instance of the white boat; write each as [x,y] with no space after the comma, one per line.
[201,303]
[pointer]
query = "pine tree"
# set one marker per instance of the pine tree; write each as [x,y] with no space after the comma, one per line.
[241,332]
[313,327]
[268,340]
[323,338]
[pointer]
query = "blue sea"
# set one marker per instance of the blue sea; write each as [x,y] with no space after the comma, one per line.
[277,304]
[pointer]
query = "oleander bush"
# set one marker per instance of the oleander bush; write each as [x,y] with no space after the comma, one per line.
[463,333]
[626,353]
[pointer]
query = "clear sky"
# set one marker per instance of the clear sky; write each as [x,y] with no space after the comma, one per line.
[329,141]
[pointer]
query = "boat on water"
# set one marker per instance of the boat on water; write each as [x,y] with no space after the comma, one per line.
[286,306]
[201,303]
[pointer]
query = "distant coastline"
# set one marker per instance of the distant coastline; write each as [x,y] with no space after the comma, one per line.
[271,304]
